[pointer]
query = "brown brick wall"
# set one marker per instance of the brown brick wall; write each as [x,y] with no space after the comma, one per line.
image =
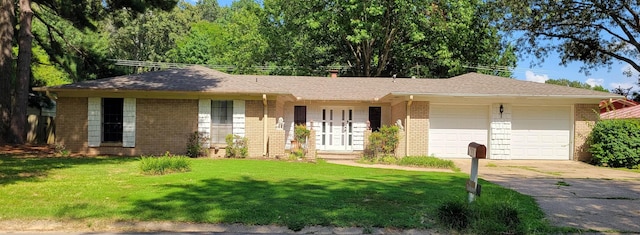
[276,143]
[398,111]
[276,138]
[164,125]
[419,129]
[161,125]
[585,116]
[71,123]
[254,111]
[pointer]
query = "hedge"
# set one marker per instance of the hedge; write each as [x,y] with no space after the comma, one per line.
[616,143]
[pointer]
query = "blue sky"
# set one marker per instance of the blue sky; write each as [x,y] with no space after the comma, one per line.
[550,69]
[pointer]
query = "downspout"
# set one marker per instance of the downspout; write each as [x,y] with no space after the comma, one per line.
[406,126]
[265,134]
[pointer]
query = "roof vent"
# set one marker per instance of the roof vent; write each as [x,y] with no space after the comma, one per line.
[394,78]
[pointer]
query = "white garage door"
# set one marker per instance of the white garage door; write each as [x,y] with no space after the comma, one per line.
[541,132]
[453,127]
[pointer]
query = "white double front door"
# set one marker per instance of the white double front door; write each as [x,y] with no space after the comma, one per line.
[337,129]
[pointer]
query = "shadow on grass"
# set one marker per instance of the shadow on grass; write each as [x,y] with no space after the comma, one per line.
[400,201]
[15,168]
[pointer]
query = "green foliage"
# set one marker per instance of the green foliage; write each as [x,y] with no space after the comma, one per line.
[301,133]
[426,161]
[576,84]
[382,143]
[297,153]
[165,164]
[585,31]
[204,44]
[615,143]
[237,146]
[196,145]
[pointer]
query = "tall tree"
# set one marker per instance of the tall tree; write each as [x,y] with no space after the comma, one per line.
[384,37]
[81,13]
[18,132]
[6,63]
[595,32]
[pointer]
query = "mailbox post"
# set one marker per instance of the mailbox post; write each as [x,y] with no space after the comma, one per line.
[475,151]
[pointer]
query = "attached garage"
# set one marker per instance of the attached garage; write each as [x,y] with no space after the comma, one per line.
[540,132]
[453,127]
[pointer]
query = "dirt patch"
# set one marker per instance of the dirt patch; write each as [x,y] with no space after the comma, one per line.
[28,150]
[93,226]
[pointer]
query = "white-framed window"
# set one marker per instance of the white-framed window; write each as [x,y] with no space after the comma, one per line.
[221,120]
[111,120]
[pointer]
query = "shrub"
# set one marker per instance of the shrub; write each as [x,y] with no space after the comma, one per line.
[297,153]
[196,143]
[385,141]
[615,143]
[237,146]
[301,133]
[165,164]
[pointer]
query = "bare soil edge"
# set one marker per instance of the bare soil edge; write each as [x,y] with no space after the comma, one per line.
[96,226]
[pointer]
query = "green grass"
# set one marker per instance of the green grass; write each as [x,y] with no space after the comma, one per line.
[417,161]
[252,192]
[152,165]
[427,161]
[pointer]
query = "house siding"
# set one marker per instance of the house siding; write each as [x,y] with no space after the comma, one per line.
[500,132]
[418,129]
[161,125]
[72,123]
[165,125]
[399,112]
[585,117]
[254,127]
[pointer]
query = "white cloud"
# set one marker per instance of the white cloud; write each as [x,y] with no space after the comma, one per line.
[530,76]
[595,82]
[623,85]
[629,70]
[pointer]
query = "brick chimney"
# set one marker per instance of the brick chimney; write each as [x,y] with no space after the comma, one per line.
[334,73]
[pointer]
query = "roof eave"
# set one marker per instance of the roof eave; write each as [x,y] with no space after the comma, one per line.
[500,95]
[50,90]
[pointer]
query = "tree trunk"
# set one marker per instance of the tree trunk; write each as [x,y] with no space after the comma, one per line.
[6,64]
[19,114]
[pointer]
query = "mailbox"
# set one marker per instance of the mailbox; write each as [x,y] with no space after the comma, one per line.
[477,150]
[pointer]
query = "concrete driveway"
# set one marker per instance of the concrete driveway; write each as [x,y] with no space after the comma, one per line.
[571,193]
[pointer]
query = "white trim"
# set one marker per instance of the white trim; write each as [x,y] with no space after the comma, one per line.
[239,117]
[129,123]
[94,116]
[204,120]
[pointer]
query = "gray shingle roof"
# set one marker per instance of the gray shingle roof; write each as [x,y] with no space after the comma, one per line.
[201,79]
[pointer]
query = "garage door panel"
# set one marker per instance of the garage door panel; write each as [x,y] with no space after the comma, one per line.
[452,128]
[541,132]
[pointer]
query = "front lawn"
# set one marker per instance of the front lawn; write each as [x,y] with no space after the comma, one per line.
[253,192]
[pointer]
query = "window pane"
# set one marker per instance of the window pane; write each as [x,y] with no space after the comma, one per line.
[221,120]
[112,119]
